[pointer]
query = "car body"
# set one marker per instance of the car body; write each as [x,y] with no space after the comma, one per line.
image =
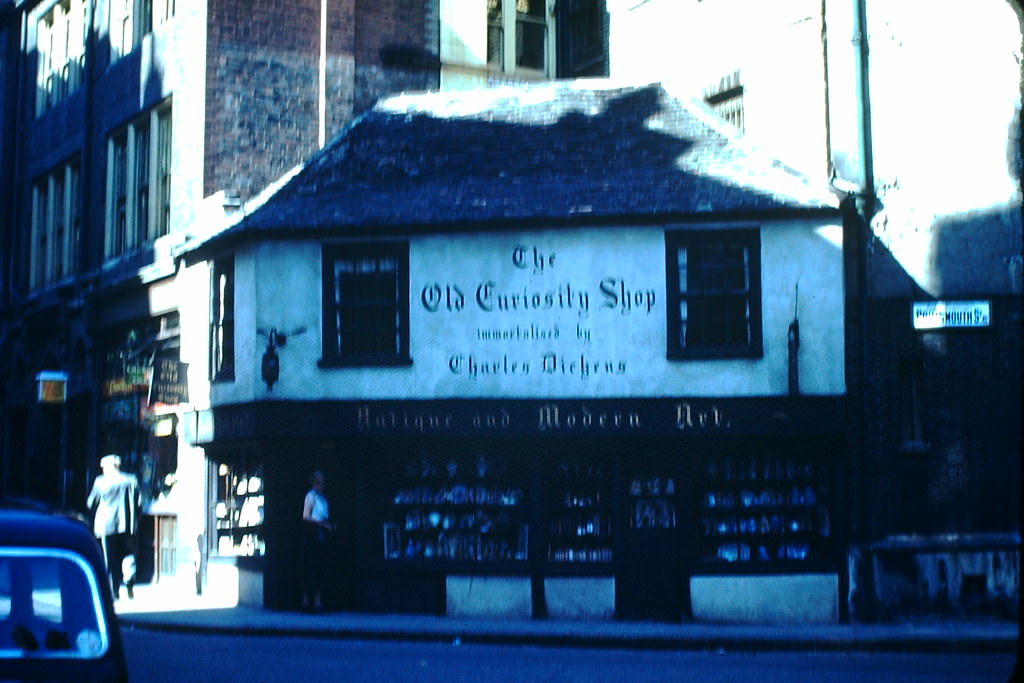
[57,619]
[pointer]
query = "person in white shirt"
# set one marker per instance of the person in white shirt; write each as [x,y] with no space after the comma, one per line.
[114,503]
[317,519]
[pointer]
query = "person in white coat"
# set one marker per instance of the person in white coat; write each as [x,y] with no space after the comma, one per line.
[114,502]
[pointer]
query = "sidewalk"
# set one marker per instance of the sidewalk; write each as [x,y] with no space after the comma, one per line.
[171,608]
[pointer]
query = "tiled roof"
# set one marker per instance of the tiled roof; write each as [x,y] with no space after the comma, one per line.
[545,152]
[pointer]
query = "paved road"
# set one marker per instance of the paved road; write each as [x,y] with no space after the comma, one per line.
[155,657]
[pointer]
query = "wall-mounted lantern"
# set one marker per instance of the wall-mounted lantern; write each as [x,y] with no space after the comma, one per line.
[270,364]
[51,387]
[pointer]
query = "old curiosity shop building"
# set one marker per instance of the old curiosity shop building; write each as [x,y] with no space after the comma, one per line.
[562,350]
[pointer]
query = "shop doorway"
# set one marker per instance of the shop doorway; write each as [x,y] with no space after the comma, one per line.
[651,583]
[286,538]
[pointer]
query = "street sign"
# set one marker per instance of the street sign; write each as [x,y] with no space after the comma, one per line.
[934,315]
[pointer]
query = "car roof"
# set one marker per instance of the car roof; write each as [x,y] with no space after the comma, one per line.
[45,529]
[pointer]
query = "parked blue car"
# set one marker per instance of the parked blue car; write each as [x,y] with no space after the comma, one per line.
[57,620]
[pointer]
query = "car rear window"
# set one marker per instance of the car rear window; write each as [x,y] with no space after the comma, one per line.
[49,605]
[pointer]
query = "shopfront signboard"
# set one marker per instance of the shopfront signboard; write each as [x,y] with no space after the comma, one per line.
[766,416]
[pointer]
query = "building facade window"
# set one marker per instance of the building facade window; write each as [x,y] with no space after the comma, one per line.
[481,514]
[60,49]
[494,41]
[366,304]
[519,37]
[726,98]
[238,510]
[763,508]
[912,405]
[56,225]
[139,182]
[714,293]
[582,39]
[130,20]
[222,320]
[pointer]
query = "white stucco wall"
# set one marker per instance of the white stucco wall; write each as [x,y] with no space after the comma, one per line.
[575,337]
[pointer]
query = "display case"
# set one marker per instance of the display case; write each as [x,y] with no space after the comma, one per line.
[456,508]
[765,509]
[580,513]
[238,511]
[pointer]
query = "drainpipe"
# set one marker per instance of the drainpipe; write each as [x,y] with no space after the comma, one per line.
[866,197]
[865,205]
[865,209]
[860,204]
[91,231]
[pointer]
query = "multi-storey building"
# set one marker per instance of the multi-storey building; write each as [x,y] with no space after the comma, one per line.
[131,125]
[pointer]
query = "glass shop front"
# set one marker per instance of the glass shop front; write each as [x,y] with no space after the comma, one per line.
[549,509]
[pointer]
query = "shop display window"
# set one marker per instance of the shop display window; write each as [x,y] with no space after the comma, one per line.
[457,508]
[238,511]
[580,514]
[761,509]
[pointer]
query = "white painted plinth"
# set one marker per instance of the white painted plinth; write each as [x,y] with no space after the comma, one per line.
[774,599]
[489,596]
[580,597]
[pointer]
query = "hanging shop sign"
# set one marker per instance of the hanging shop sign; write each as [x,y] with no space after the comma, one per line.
[51,387]
[170,382]
[935,315]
